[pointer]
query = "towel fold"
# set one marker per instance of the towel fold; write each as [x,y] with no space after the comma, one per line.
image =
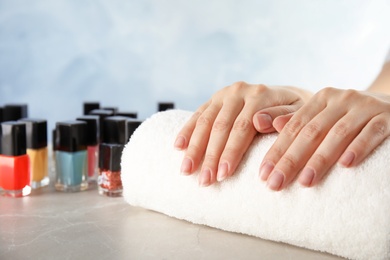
[348,214]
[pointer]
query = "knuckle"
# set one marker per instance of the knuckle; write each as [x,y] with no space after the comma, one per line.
[293,127]
[211,157]
[349,94]
[243,125]
[194,150]
[220,125]
[379,128]
[320,160]
[238,86]
[341,130]
[259,89]
[289,162]
[204,121]
[312,131]
[325,92]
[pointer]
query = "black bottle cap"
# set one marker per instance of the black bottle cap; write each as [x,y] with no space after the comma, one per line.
[110,156]
[113,109]
[115,130]
[162,106]
[92,136]
[132,125]
[36,132]
[1,115]
[71,136]
[13,112]
[102,113]
[89,106]
[13,138]
[127,114]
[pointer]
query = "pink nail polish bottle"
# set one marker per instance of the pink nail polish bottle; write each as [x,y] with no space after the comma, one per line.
[92,141]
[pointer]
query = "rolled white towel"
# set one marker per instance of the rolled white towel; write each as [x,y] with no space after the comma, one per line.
[348,214]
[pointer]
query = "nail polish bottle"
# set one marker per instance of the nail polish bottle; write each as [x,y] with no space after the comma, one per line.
[89,106]
[13,112]
[162,106]
[117,130]
[71,156]
[102,115]
[14,161]
[36,131]
[109,180]
[92,139]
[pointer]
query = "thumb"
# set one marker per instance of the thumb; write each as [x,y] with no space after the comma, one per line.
[264,120]
[281,121]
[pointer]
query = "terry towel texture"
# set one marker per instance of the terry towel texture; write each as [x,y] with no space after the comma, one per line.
[348,214]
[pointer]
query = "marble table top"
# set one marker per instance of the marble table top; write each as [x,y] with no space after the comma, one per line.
[85,225]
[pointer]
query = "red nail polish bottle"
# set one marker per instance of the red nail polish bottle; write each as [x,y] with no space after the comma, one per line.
[117,131]
[14,161]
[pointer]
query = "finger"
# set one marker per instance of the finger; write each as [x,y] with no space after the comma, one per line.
[329,151]
[303,147]
[281,121]
[263,119]
[185,133]
[218,138]
[376,130]
[241,135]
[287,136]
[199,139]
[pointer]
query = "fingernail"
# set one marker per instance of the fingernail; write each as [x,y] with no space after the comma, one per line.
[265,169]
[204,178]
[275,180]
[179,143]
[264,121]
[306,177]
[186,166]
[347,158]
[223,169]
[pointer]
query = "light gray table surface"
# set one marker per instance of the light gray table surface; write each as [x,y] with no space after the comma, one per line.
[85,225]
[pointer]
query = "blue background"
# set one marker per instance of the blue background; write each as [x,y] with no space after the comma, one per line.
[54,55]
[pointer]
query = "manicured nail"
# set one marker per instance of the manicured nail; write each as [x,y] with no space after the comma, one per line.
[307,176]
[275,180]
[179,143]
[222,173]
[265,170]
[347,158]
[264,121]
[205,177]
[186,166]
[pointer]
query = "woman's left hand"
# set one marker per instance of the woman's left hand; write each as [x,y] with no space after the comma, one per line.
[334,125]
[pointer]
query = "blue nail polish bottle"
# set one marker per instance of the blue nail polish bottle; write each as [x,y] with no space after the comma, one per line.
[71,156]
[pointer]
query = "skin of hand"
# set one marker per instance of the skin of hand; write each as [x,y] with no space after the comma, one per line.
[335,125]
[221,130]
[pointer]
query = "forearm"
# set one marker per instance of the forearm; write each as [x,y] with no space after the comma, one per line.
[382,82]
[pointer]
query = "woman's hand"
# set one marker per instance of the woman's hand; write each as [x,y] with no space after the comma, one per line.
[221,130]
[334,125]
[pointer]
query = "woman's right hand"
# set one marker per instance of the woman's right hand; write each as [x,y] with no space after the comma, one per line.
[221,130]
